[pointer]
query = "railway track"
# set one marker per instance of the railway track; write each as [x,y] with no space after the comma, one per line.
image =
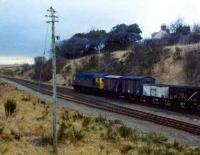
[108,106]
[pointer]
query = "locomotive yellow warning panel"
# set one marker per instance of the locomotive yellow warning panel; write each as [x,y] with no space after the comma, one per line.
[101,83]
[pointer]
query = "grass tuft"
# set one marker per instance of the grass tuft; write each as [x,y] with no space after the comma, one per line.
[75,135]
[26,98]
[125,149]
[61,132]
[10,107]
[125,132]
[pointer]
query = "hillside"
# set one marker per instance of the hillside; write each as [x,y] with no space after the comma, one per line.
[176,65]
[179,65]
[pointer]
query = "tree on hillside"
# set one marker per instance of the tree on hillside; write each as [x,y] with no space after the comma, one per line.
[196,28]
[179,28]
[81,44]
[74,47]
[93,35]
[122,36]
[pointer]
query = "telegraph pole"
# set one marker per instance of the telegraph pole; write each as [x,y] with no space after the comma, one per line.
[53,48]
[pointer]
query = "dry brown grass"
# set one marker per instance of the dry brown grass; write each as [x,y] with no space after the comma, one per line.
[28,131]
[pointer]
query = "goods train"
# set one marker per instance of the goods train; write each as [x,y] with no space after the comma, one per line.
[139,88]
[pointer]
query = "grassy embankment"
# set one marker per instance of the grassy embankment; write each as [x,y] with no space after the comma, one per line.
[27,130]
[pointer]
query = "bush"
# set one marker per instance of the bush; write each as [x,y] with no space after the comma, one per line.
[125,131]
[125,149]
[177,146]
[75,135]
[177,54]
[110,135]
[10,107]
[86,121]
[61,132]
[46,139]
[65,115]
[77,116]
[146,150]
[100,120]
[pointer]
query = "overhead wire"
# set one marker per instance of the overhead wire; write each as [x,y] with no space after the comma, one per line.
[43,57]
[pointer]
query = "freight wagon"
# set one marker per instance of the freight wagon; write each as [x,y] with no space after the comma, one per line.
[186,97]
[132,85]
[139,88]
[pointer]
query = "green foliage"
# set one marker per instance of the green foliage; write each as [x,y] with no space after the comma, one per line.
[125,149]
[10,107]
[46,139]
[61,132]
[146,150]
[100,120]
[122,36]
[74,135]
[110,135]
[65,116]
[125,131]
[140,60]
[179,28]
[178,146]
[86,121]
[77,116]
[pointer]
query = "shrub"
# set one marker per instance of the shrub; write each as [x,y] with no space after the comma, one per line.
[110,135]
[86,121]
[46,139]
[177,54]
[65,115]
[146,150]
[125,131]
[177,146]
[61,132]
[75,135]
[10,107]
[43,102]
[100,120]
[77,116]
[125,149]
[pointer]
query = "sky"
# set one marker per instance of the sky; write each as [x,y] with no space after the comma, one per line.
[23,29]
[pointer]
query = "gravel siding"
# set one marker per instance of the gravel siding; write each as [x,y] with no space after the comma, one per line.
[148,127]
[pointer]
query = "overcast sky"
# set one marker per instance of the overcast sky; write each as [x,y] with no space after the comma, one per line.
[23,27]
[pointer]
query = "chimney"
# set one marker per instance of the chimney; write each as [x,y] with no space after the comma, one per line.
[164,27]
